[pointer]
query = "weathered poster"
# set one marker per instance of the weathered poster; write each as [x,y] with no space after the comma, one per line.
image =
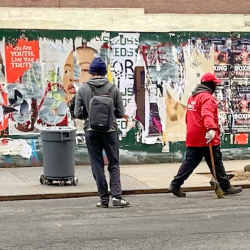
[3,94]
[240,99]
[240,58]
[2,62]
[19,58]
[233,93]
[222,57]
[223,96]
[123,53]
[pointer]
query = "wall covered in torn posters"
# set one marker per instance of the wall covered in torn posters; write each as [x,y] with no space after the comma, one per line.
[40,71]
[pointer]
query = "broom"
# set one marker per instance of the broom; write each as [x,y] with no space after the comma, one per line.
[217,187]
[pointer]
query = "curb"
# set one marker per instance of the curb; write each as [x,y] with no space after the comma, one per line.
[92,194]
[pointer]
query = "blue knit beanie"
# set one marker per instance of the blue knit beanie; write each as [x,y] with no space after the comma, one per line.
[98,67]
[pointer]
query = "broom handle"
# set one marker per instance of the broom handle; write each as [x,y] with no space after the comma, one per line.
[212,160]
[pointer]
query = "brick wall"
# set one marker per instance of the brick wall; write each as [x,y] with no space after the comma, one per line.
[158,6]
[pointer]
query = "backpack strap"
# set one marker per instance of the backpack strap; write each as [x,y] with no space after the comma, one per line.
[110,88]
[93,89]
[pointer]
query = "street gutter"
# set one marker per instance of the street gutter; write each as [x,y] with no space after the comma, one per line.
[92,194]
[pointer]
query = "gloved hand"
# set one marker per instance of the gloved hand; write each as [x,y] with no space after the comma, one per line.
[210,135]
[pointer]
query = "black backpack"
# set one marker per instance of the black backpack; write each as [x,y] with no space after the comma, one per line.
[101,110]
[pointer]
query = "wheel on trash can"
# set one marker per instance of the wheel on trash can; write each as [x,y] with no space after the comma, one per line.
[49,182]
[75,181]
[42,179]
[62,182]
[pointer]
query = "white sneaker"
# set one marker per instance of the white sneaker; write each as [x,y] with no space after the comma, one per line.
[119,202]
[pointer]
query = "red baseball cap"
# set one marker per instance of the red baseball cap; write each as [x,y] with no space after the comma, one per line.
[209,77]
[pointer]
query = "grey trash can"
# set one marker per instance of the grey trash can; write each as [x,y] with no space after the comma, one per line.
[58,155]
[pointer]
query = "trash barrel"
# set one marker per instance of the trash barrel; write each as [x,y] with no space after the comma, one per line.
[58,155]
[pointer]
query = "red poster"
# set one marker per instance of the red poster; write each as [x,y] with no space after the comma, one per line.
[19,58]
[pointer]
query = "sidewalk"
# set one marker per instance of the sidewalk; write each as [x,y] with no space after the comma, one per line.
[24,183]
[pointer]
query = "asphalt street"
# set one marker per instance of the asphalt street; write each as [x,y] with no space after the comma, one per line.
[160,221]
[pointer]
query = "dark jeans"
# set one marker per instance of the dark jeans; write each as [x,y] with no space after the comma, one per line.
[109,142]
[194,155]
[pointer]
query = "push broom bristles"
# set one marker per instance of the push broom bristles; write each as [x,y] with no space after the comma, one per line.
[219,191]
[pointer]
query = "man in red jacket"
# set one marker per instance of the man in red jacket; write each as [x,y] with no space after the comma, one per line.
[202,128]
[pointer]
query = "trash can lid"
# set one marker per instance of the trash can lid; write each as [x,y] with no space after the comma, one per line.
[58,129]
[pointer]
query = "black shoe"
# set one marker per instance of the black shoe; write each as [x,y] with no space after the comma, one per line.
[176,191]
[102,204]
[119,202]
[213,183]
[233,190]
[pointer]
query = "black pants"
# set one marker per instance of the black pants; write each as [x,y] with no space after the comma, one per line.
[109,142]
[194,155]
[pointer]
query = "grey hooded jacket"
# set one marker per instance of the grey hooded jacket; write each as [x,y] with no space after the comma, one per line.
[84,95]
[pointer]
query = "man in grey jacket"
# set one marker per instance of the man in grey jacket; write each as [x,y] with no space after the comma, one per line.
[98,141]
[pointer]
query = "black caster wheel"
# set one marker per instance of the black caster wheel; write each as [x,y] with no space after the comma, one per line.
[42,179]
[62,183]
[49,182]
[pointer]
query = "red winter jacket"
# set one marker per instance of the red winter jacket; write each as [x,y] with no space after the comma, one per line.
[201,116]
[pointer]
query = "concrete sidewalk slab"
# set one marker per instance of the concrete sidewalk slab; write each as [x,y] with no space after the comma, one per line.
[24,183]
[160,175]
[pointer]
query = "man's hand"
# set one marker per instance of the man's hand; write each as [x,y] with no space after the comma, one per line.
[210,135]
